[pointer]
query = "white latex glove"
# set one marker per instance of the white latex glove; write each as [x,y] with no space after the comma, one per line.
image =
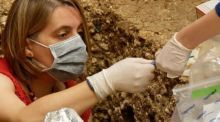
[129,75]
[173,58]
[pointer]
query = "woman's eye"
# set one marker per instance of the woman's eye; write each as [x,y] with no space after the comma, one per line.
[62,35]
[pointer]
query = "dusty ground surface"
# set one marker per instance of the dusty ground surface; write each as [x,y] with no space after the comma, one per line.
[132,28]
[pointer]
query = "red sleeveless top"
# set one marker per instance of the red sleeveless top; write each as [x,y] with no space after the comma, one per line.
[5,69]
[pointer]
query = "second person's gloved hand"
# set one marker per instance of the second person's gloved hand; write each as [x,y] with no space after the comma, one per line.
[129,75]
[172,58]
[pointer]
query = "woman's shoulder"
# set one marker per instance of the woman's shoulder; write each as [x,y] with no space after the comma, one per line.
[6,83]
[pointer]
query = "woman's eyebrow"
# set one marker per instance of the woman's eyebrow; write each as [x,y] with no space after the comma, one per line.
[64,27]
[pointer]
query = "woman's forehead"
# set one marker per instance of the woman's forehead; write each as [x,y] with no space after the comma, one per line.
[64,16]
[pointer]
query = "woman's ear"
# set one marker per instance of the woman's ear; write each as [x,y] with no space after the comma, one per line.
[28,50]
[29,53]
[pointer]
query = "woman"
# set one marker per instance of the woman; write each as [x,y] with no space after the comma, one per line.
[45,44]
[175,54]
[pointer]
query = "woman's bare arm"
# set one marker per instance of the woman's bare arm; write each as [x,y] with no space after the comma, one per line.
[79,97]
[200,30]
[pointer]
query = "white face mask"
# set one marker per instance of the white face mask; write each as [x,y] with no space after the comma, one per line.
[70,57]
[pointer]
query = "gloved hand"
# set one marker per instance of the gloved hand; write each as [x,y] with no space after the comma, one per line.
[173,58]
[129,75]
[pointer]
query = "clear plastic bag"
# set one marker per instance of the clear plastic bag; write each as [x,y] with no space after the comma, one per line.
[63,115]
[207,66]
[194,101]
[199,101]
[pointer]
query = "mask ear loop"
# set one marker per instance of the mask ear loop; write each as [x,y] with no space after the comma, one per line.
[38,43]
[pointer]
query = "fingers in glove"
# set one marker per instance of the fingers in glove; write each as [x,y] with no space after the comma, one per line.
[144,61]
[151,76]
[139,88]
[157,53]
[148,67]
